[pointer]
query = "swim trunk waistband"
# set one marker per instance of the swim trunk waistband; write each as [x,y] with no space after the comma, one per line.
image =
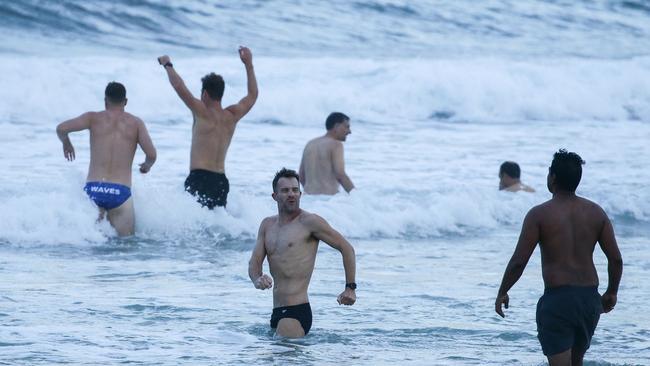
[570,288]
[107,195]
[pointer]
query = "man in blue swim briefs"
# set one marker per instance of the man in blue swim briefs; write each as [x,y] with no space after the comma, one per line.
[212,130]
[290,242]
[567,228]
[114,136]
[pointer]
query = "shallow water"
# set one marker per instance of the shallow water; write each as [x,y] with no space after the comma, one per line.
[419,302]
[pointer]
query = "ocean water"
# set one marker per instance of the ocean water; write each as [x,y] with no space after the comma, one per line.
[440,93]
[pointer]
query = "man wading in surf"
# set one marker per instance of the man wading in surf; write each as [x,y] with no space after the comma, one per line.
[290,242]
[114,136]
[567,228]
[212,130]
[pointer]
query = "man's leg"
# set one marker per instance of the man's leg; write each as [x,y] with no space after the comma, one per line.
[560,359]
[122,218]
[290,328]
[576,356]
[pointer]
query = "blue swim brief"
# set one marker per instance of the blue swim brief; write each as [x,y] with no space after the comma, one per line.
[107,195]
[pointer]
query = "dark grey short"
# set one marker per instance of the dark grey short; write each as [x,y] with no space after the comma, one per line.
[567,317]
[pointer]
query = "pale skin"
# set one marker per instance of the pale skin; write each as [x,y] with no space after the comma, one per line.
[290,242]
[213,126]
[114,136]
[510,184]
[567,228]
[322,167]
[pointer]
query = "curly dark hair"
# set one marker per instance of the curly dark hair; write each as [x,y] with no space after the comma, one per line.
[567,168]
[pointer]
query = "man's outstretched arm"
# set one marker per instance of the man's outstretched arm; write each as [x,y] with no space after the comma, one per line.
[246,103]
[179,85]
[64,128]
[528,240]
[323,231]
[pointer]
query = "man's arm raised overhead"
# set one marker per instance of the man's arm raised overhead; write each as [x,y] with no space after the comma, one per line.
[246,103]
[75,124]
[195,105]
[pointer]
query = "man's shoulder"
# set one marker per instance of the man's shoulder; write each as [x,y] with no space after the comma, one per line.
[311,219]
[591,206]
[269,220]
[316,141]
[541,210]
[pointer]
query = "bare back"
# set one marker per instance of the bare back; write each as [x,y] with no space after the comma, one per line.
[113,141]
[569,228]
[317,161]
[212,133]
[291,251]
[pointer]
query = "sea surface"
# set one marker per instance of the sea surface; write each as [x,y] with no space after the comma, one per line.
[439,94]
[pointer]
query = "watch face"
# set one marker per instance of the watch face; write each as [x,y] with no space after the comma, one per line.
[352,285]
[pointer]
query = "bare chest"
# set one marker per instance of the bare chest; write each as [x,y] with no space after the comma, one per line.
[288,239]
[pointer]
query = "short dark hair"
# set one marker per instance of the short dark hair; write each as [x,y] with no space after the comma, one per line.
[214,85]
[334,118]
[511,169]
[284,173]
[115,92]
[567,168]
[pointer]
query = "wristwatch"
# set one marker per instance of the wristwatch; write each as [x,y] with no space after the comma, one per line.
[168,64]
[351,286]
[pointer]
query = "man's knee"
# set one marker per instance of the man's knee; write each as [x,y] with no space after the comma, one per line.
[290,328]
[560,359]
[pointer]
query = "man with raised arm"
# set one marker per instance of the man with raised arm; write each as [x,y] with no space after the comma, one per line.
[114,136]
[322,167]
[567,228]
[212,130]
[290,242]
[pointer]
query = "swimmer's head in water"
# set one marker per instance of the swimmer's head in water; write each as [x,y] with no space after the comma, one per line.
[214,85]
[115,93]
[566,170]
[511,169]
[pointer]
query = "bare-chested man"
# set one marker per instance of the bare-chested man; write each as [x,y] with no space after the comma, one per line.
[567,228]
[322,167]
[290,241]
[509,178]
[212,130]
[114,136]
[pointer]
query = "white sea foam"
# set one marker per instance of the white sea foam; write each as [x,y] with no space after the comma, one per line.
[301,91]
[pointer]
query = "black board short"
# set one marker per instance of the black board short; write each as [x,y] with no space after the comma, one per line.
[210,188]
